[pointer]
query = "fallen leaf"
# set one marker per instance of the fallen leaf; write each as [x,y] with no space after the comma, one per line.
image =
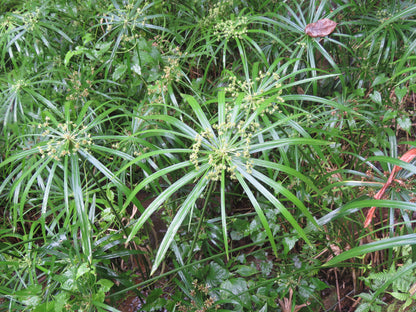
[407,157]
[321,28]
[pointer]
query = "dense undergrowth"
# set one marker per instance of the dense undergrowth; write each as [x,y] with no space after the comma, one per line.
[206,156]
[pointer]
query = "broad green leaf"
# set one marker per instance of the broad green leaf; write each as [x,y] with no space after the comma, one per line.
[83,269]
[245,270]
[400,93]
[405,123]
[105,284]
[216,274]
[376,97]
[389,114]
[380,79]
[78,50]
[236,288]
[119,71]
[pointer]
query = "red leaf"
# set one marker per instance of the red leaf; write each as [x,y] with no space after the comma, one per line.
[321,28]
[407,157]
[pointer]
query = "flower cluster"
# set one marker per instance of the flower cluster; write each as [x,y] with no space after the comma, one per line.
[31,19]
[384,15]
[127,17]
[196,146]
[207,305]
[233,142]
[231,28]
[255,91]
[302,44]
[141,11]
[219,10]
[171,73]
[132,149]
[18,85]
[67,139]
[5,23]
[126,38]
[75,87]
[140,18]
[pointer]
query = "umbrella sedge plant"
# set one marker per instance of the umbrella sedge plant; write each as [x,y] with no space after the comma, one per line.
[225,148]
[56,162]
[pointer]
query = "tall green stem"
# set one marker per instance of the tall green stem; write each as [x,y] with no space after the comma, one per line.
[208,194]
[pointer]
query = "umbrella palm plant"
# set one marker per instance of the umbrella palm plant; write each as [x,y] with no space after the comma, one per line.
[59,160]
[224,147]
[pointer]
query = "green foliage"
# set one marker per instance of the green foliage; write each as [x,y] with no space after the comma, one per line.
[399,283]
[243,285]
[72,279]
[222,149]
[209,149]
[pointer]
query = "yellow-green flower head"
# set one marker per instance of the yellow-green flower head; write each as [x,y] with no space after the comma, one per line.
[66,139]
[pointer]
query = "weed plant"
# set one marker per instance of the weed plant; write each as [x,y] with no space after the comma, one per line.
[206,155]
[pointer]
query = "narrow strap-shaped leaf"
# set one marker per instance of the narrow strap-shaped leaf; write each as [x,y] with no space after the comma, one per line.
[286,169]
[393,242]
[19,156]
[288,216]
[223,213]
[401,13]
[82,215]
[254,44]
[39,166]
[355,205]
[406,158]
[196,108]
[110,175]
[221,108]
[152,177]
[258,209]
[279,188]
[286,141]
[48,187]
[177,221]
[163,197]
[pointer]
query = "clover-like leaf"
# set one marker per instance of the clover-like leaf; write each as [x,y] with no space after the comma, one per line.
[321,28]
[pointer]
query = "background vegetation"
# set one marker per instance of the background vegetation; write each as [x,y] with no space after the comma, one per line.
[206,156]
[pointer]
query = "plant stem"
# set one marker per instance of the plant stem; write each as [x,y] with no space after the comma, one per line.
[208,194]
[108,200]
